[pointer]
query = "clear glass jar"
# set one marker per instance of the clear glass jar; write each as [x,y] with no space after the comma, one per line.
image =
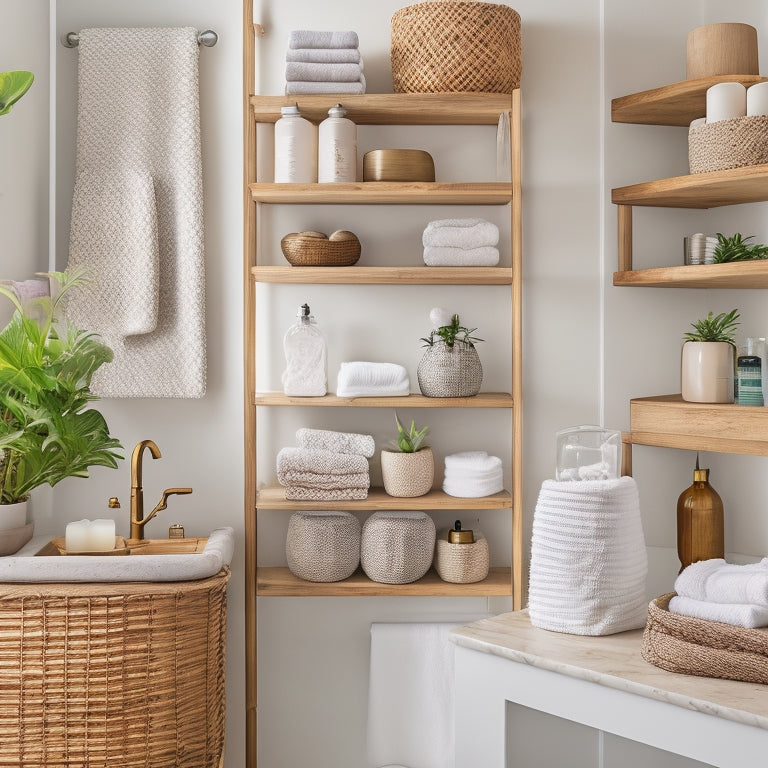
[588,453]
[306,371]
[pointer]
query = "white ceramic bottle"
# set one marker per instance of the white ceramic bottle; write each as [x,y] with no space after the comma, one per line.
[295,148]
[337,147]
[306,371]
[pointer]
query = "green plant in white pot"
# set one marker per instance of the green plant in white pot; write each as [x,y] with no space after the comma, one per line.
[409,469]
[708,359]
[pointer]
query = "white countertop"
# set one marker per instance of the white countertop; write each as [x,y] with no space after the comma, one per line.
[613,661]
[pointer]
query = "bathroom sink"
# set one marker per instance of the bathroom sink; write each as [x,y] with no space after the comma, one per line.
[132,547]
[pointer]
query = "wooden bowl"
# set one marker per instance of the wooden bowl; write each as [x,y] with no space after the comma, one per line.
[398,165]
[314,249]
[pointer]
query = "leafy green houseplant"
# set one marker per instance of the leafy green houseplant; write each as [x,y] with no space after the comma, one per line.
[737,248]
[409,441]
[707,369]
[409,470]
[47,430]
[13,85]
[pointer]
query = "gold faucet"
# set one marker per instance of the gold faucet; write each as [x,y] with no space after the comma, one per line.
[138,521]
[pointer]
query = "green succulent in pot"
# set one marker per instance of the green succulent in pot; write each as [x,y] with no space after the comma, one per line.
[48,432]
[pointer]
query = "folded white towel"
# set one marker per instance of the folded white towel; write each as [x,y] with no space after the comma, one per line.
[300,493]
[461,233]
[449,256]
[474,489]
[319,462]
[325,55]
[297,71]
[471,460]
[737,614]
[472,474]
[309,86]
[339,442]
[363,379]
[720,582]
[313,38]
[327,482]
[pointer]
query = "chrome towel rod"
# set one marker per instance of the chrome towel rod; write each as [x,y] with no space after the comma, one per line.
[208,38]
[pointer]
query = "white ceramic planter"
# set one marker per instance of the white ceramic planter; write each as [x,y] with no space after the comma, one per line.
[13,515]
[407,474]
[707,372]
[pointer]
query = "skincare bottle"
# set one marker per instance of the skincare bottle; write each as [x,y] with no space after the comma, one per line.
[305,358]
[295,148]
[749,387]
[337,147]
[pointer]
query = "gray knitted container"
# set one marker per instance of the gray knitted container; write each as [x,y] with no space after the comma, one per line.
[397,547]
[450,371]
[323,546]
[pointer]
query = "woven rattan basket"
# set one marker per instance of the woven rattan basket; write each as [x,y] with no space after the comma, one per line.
[124,674]
[694,646]
[443,47]
[314,249]
[461,563]
[726,144]
[446,371]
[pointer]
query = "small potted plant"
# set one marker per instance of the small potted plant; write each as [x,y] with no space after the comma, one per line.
[450,366]
[409,469]
[738,248]
[708,359]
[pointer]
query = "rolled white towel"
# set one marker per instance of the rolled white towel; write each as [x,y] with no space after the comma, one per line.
[737,614]
[339,442]
[449,256]
[309,86]
[720,582]
[292,459]
[363,379]
[313,38]
[325,55]
[472,474]
[460,233]
[299,71]
[474,489]
[472,460]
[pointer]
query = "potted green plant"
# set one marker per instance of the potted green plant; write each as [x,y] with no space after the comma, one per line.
[409,469]
[450,366]
[13,85]
[708,359]
[47,430]
[738,248]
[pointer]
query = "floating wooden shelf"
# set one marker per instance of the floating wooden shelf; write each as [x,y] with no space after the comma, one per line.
[745,274]
[273,497]
[280,582]
[482,400]
[357,275]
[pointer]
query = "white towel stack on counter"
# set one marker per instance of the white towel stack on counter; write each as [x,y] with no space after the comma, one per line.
[323,62]
[720,591]
[472,474]
[461,243]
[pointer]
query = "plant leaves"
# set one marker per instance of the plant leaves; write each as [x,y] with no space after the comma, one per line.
[13,85]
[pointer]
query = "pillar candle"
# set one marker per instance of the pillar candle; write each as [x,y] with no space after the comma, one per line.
[76,536]
[725,101]
[757,99]
[101,535]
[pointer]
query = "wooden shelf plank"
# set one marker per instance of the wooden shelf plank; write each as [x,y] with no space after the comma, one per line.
[280,582]
[668,421]
[746,274]
[273,497]
[481,400]
[675,104]
[699,190]
[356,275]
[386,193]
[392,108]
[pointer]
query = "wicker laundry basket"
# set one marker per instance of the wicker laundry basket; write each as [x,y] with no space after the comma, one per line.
[123,674]
[443,47]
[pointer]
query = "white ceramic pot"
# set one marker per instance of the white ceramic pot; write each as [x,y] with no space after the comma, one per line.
[707,372]
[408,474]
[13,515]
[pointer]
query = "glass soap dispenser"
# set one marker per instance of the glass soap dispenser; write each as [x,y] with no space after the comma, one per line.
[305,357]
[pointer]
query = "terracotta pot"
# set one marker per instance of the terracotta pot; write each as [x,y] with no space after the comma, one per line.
[408,474]
[707,372]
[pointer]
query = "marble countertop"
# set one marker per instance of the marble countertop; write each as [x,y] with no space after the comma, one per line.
[613,661]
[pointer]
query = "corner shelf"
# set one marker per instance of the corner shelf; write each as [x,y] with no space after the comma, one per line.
[746,274]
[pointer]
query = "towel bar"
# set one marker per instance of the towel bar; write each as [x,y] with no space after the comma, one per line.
[208,38]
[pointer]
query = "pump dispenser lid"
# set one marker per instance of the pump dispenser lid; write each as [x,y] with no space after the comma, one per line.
[290,111]
[700,475]
[457,536]
[337,111]
[303,311]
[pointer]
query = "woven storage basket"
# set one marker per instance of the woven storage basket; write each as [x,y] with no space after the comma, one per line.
[446,371]
[727,144]
[313,249]
[694,646]
[323,546]
[397,547]
[461,563]
[444,47]
[128,675]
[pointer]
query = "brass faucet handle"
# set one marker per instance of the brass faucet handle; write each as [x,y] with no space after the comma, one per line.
[170,491]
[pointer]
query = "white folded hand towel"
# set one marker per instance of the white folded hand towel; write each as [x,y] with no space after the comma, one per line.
[299,71]
[325,55]
[310,86]
[450,256]
[313,38]
[737,614]
[473,474]
[363,379]
[720,582]
[461,233]
[340,442]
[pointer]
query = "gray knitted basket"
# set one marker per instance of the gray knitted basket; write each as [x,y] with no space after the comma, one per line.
[323,546]
[450,371]
[725,144]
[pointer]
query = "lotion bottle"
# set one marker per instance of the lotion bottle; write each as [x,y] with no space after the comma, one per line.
[306,371]
[337,148]
[295,148]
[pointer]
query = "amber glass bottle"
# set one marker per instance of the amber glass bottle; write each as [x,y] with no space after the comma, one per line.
[700,533]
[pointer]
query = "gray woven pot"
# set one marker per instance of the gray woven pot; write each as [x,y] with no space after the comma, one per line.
[323,546]
[450,371]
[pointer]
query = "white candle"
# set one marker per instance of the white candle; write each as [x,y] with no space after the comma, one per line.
[101,535]
[77,536]
[725,101]
[757,99]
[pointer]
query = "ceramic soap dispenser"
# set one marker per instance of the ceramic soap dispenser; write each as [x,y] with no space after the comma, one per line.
[306,372]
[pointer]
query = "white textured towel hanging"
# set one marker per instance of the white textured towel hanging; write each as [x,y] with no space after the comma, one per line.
[137,210]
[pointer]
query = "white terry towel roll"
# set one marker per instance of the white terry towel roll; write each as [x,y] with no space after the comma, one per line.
[313,38]
[720,582]
[737,614]
[311,86]
[364,379]
[460,233]
[296,71]
[450,256]
[339,442]
[472,474]
[325,55]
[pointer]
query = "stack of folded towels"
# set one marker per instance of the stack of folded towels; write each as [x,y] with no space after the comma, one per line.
[461,243]
[323,62]
[719,591]
[472,474]
[326,466]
